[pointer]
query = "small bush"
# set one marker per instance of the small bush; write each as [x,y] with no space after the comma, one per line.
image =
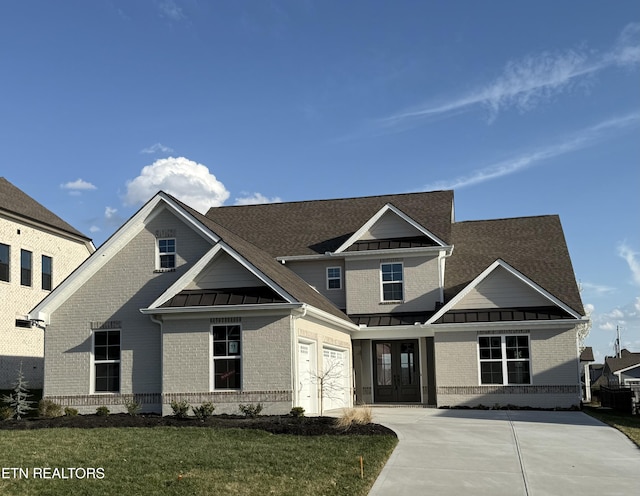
[133,407]
[250,410]
[6,413]
[180,408]
[297,412]
[102,411]
[362,415]
[204,411]
[70,412]
[49,409]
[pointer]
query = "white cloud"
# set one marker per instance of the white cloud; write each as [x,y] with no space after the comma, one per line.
[255,199]
[185,179]
[582,139]
[170,10]
[530,81]
[596,288]
[94,229]
[109,212]
[78,185]
[156,148]
[632,260]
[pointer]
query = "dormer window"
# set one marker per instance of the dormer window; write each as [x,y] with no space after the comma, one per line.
[166,254]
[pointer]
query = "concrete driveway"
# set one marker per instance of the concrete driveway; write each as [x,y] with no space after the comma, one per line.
[512,453]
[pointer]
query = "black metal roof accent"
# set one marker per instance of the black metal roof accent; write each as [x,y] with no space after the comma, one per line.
[503,315]
[226,296]
[391,244]
[390,319]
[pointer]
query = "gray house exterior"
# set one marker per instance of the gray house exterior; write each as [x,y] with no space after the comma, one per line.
[319,304]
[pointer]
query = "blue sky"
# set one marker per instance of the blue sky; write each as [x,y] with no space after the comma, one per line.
[523,108]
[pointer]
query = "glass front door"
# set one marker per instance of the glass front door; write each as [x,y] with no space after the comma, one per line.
[396,372]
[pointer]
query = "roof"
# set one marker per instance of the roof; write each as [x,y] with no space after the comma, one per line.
[317,226]
[586,355]
[15,201]
[627,360]
[268,265]
[535,246]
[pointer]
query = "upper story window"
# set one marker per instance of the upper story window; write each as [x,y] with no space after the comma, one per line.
[334,278]
[166,254]
[47,272]
[106,359]
[25,267]
[504,359]
[226,357]
[392,281]
[4,262]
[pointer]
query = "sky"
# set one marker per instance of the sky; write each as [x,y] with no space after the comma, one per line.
[521,108]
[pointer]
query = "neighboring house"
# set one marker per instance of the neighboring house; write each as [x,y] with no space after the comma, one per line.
[318,304]
[623,370]
[37,251]
[586,359]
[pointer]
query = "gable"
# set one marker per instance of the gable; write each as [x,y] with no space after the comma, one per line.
[224,272]
[390,226]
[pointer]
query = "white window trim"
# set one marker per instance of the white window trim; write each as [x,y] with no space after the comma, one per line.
[382,283]
[504,360]
[159,268]
[339,278]
[92,372]
[212,359]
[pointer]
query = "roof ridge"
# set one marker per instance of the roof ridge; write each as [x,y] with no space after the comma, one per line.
[498,219]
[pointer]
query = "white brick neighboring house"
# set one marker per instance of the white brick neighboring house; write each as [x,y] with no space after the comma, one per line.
[387,299]
[37,251]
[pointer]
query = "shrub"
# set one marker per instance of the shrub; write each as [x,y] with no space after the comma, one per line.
[250,410]
[133,407]
[204,411]
[6,413]
[18,400]
[49,409]
[297,412]
[102,411]
[180,408]
[362,415]
[70,412]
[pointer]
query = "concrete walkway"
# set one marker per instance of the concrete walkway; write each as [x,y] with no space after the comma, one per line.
[511,453]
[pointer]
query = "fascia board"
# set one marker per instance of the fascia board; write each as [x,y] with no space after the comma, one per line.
[506,325]
[48,228]
[367,225]
[327,317]
[263,307]
[483,275]
[189,219]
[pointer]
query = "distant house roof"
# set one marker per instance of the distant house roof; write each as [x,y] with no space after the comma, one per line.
[626,360]
[586,355]
[15,201]
[535,246]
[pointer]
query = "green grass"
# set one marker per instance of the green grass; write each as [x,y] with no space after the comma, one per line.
[209,461]
[628,424]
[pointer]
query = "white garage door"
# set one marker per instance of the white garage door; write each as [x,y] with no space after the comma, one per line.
[335,374]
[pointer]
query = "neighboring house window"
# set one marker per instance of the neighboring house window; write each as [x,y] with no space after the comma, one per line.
[504,359]
[25,267]
[47,272]
[4,262]
[226,356]
[334,278]
[166,253]
[106,358]
[392,281]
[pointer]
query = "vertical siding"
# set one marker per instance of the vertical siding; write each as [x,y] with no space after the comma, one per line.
[500,289]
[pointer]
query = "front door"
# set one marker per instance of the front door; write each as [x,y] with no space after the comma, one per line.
[396,372]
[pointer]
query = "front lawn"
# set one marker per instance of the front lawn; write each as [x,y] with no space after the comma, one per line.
[187,460]
[628,424]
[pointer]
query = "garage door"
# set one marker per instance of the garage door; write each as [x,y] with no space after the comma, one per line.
[335,375]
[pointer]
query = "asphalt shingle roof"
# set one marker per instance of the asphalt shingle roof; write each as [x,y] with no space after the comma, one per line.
[627,359]
[14,200]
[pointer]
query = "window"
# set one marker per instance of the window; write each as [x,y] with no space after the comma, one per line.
[106,357]
[504,359]
[25,267]
[47,267]
[226,357]
[166,253]
[4,262]
[334,278]
[392,281]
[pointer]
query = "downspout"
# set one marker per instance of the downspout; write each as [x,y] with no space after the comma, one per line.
[294,351]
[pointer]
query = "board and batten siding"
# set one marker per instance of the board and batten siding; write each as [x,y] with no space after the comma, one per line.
[500,289]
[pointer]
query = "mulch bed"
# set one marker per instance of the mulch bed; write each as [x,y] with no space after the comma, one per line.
[285,424]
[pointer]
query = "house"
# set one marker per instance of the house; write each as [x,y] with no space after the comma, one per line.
[622,370]
[37,251]
[319,304]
